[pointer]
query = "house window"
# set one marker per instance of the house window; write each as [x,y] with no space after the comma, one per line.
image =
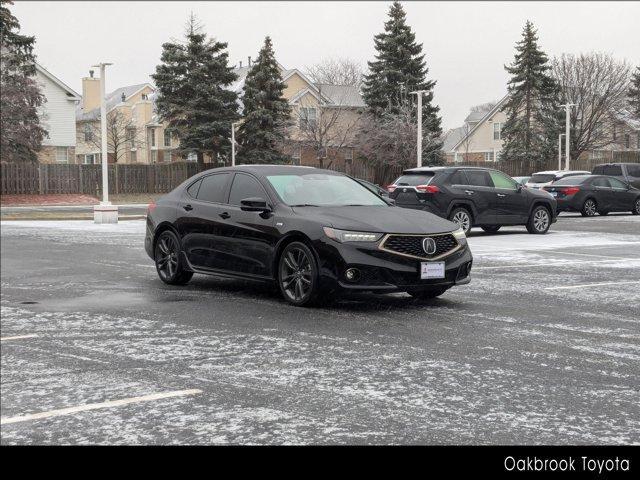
[192,157]
[296,155]
[308,118]
[167,155]
[488,156]
[497,131]
[62,154]
[615,134]
[348,155]
[88,132]
[89,158]
[134,156]
[152,137]
[154,156]
[167,138]
[627,141]
[131,137]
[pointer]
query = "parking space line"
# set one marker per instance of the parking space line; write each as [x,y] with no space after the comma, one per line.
[529,265]
[18,337]
[592,255]
[96,406]
[586,285]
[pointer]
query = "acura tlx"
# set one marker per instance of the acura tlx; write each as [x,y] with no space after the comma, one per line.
[313,232]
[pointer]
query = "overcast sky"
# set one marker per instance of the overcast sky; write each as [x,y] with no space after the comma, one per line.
[466,43]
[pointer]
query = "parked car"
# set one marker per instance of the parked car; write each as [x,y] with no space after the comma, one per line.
[470,197]
[542,179]
[589,194]
[521,180]
[377,189]
[309,231]
[626,172]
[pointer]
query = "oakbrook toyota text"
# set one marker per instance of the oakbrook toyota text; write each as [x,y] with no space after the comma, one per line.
[569,464]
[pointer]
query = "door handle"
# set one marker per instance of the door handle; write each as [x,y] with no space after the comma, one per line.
[469,192]
[224,215]
[188,207]
[501,195]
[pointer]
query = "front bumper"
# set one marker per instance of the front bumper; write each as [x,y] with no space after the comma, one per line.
[382,271]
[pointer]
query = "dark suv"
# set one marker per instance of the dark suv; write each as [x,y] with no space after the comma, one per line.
[626,172]
[470,197]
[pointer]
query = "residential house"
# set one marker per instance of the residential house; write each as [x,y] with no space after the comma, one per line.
[625,137]
[57,116]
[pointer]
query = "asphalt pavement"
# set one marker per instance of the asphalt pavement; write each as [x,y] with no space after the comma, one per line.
[542,347]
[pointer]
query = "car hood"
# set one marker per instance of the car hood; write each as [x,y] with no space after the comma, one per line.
[378,219]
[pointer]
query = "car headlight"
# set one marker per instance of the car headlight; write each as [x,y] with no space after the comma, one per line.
[460,236]
[349,236]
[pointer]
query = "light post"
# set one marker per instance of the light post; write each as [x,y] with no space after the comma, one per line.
[105,212]
[560,150]
[567,106]
[419,94]
[233,143]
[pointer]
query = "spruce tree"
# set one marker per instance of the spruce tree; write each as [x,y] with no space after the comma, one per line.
[193,81]
[533,111]
[20,95]
[266,112]
[634,93]
[398,69]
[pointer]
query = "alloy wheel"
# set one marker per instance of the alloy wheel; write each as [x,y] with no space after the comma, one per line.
[590,208]
[296,276]
[541,220]
[167,257]
[461,218]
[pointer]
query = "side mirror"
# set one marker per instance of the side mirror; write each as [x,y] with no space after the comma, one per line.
[254,204]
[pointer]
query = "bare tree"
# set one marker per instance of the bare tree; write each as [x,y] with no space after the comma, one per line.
[336,71]
[328,126]
[597,84]
[122,134]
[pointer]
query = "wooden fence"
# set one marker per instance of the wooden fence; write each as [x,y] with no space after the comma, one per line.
[162,178]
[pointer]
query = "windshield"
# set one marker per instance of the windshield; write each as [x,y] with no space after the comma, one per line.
[572,180]
[317,189]
[542,178]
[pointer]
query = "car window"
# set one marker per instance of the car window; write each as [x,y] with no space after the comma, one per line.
[212,188]
[193,188]
[542,178]
[600,182]
[459,178]
[573,180]
[478,178]
[245,186]
[615,183]
[413,180]
[634,170]
[612,170]
[501,180]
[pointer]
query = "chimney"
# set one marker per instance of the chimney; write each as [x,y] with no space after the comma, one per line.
[249,60]
[240,64]
[90,93]
[123,97]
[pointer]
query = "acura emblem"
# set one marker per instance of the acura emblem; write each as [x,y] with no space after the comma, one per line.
[404,190]
[429,246]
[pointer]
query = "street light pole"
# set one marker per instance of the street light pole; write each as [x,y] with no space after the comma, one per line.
[567,106]
[233,143]
[560,150]
[419,93]
[105,212]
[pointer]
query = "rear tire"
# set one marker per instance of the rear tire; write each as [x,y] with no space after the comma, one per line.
[427,293]
[491,228]
[636,210]
[539,220]
[589,208]
[168,259]
[462,217]
[298,277]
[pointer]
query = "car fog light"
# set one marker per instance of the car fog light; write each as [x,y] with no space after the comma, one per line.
[352,274]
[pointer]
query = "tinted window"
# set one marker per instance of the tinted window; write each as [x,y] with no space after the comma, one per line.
[500,180]
[478,178]
[634,170]
[542,178]
[574,180]
[413,180]
[193,189]
[458,178]
[600,182]
[245,186]
[612,170]
[615,183]
[212,188]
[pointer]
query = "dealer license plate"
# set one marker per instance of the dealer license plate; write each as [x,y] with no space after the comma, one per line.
[431,270]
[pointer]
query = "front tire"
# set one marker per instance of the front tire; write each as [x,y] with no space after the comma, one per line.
[539,220]
[298,275]
[168,259]
[636,209]
[462,217]
[427,293]
[589,208]
[491,228]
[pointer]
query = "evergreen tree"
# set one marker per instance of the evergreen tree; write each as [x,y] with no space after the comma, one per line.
[193,83]
[266,112]
[398,69]
[634,92]
[533,112]
[20,95]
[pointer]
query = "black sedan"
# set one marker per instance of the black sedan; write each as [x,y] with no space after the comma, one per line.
[591,194]
[311,231]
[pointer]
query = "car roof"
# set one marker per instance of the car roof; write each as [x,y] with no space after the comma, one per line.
[560,172]
[445,168]
[264,170]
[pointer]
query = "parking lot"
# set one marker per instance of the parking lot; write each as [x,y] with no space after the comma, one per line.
[542,347]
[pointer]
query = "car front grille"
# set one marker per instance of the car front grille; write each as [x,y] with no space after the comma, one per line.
[411,245]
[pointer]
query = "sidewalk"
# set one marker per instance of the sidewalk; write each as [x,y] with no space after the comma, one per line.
[74,199]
